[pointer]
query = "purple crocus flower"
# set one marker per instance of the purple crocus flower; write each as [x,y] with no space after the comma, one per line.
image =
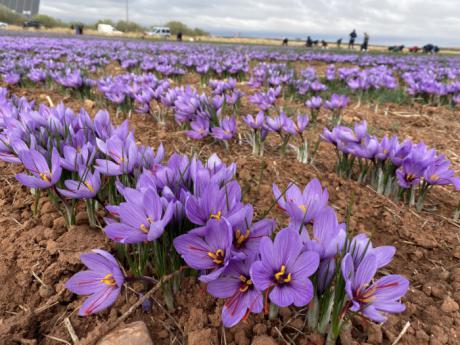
[86,188]
[409,173]
[301,123]
[372,299]
[209,252]
[226,129]
[361,245]
[314,103]
[237,287]
[199,128]
[215,203]
[438,173]
[304,206]
[285,270]
[247,235]
[12,78]
[103,281]
[336,102]
[123,154]
[257,122]
[328,240]
[142,218]
[42,175]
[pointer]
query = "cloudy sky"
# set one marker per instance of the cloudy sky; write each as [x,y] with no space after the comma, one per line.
[387,21]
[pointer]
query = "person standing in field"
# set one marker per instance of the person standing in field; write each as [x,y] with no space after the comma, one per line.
[351,43]
[365,44]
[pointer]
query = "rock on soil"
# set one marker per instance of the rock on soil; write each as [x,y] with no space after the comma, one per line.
[206,336]
[449,305]
[135,333]
[263,340]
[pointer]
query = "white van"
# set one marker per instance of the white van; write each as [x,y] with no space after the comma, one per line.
[162,31]
[107,29]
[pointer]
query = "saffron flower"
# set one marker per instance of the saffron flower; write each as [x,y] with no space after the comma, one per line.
[304,206]
[285,269]
[226,129]
[42,175]
[103,281]
[372,299]
[199,128]
[85,188]
[142,218]
[236,286]
[212,251]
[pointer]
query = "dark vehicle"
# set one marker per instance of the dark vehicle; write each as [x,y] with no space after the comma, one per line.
[396,49]
[32,24]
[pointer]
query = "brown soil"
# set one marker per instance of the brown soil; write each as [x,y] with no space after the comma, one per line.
[38,254]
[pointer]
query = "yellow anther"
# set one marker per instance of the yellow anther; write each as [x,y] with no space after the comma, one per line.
[216,215]
[109,280]
[217,257]
[89,186]
[410,177]
[280,276]
[303,208]
[281,272]
[288,278]
[144,229]
[240,238]
[45,177]
[434,177]
[246,283]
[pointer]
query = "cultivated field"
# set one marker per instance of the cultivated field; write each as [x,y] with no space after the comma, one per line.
[185,164]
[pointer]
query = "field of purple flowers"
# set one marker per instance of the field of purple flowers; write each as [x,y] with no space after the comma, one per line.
[228,194]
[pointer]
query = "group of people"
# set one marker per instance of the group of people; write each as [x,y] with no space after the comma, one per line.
[310,43]
[351,43]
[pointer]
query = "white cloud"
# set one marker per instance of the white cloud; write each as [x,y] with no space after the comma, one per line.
[415,21]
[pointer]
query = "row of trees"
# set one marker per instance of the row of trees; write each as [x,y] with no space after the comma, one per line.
[13,18]
[175,27]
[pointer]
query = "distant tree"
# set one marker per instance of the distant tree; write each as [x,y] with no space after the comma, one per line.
[200,32]
[10,17]
[125,26]
[48,22]
[177,27]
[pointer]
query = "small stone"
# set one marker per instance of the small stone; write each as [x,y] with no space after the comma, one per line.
[81,218]
[45,291]
[449,305]
[259,329]
[418,254]
[456,275]
[375,335]
[241,338]
[163,334]
[297,324]
[263,340]
[47,219]
[444,275]
[197,320]
[437,290]
[457,252]
[135,333]
[47,207]
[202,337]
[59,225]
[52,247]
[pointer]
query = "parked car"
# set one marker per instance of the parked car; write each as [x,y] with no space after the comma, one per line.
[3,25]
[161,31]
[32,24]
